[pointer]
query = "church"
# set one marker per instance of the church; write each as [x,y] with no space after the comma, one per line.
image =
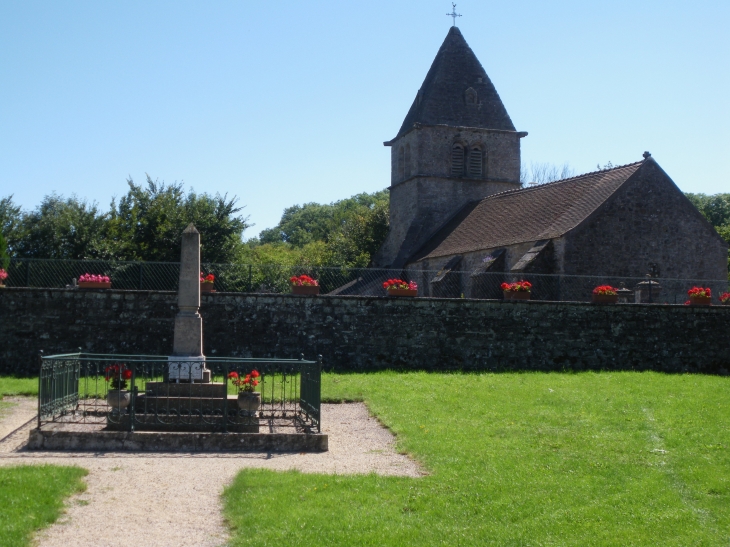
[457,206]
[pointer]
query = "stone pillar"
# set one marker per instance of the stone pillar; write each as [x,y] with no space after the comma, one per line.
[187,362]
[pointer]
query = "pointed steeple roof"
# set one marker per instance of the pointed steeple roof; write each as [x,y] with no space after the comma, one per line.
[457,91]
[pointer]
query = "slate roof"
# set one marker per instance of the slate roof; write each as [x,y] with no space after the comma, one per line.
[442,97]
[529,214]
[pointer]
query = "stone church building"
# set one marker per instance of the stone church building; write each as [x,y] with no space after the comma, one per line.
[457,206]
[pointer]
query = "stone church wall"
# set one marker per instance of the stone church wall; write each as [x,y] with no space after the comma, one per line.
[370,333]
[430,152]
[647,221]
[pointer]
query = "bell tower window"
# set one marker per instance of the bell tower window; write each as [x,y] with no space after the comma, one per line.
[457,161]
[475,162]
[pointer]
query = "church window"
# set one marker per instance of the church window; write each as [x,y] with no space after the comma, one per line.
[457,161]
[408,161]
[401,164]
[475,162]
[471,96]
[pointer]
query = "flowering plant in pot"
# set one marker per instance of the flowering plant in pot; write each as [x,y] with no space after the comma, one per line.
[304,284]
[398,287]
[519,290]
[699,296]
[249,399]
[207,282]
[725,298]
[605,294]
[117,375]
[93,281]
[3,277]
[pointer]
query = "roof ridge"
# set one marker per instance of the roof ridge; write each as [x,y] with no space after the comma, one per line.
[539,186]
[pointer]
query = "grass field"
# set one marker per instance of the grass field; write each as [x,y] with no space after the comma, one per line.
[31,497]
[10,385]
[515,460]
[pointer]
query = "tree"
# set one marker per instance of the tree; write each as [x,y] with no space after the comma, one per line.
[4,257]
[716,209]
[147,223]
[543,172]
[10,222]
[67,228]
[344,233]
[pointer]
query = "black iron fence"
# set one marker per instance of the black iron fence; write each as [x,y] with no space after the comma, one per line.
[274,278]
[143,392]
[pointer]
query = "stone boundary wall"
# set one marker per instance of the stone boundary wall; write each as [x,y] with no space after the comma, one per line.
[356,333]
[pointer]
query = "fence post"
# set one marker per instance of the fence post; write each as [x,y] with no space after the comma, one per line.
[40,386]
[319,394]
[250,278]
[134,397]
[27,274]
[141,268]
[225,397]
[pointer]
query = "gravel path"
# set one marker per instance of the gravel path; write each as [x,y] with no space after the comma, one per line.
[173,499]
[23,410]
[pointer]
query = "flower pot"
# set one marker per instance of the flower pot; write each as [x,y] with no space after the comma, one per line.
[94,285]
[118,399]
[402,292]
[605,298]
[700,300]
[517,295]
[249,401]
[207,287]
[305,289]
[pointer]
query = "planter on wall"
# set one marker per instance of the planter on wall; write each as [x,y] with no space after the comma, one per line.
[700,300]
[305,289]
[516,295]
[94,285]
[403,292]
[118,399]
[605,298]
[207,287]
[249,401]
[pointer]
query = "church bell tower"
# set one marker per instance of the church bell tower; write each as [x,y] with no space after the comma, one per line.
[457,144]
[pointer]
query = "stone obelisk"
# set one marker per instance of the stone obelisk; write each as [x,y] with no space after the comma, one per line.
[187,363]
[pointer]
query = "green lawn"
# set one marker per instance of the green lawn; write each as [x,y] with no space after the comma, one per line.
[10,385]
[515,460]
[31,497]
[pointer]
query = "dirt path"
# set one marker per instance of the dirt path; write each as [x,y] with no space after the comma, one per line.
[174,499]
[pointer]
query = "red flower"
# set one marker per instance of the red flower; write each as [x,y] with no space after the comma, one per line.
[605,289]
[304,280]
[523,286]
[233,374]
[126,374]
[699,291]
[255,374]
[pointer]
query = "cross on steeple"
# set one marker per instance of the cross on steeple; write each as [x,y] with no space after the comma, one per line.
[453,14]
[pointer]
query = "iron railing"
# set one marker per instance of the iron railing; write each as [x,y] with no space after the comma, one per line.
[82,389]
[274,278]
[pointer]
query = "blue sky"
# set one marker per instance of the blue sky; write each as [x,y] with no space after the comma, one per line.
[289,102]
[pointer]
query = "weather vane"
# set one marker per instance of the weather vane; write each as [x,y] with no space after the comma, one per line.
[453,13]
